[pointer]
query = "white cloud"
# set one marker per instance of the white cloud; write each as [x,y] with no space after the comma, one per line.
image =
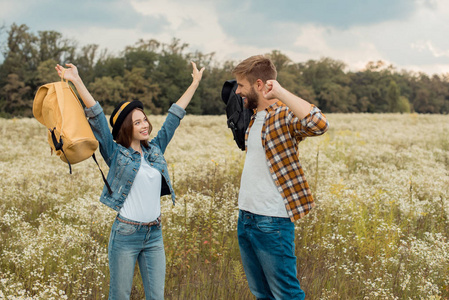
[428,45]
[193,24]
[196,23]
[414,42]
[6,8]
[114,40]
[348,46]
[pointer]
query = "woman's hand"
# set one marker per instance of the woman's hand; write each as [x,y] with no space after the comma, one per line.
[188,94]
[197,75]
[71,73]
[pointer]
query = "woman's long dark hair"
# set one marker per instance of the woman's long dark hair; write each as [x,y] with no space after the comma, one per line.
[125,133]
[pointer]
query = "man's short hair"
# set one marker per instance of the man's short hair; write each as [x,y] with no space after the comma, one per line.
[256,67]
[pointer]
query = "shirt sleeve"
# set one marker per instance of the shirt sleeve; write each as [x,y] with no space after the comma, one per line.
[314,124]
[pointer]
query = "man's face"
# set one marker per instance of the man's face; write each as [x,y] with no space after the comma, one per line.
[247,92]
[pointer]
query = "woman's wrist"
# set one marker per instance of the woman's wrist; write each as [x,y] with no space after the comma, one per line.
[77,81]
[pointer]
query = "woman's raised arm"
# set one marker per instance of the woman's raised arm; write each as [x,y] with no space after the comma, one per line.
[188,94]
[71,74]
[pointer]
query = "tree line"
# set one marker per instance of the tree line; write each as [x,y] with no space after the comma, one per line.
[157,73]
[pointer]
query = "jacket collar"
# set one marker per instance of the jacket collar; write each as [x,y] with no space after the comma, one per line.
[132,153]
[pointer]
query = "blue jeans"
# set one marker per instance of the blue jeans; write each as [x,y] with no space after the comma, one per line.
[128,244]
[267,249]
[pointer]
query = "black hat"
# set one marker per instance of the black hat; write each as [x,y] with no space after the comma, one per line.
[120,112]
[228,90]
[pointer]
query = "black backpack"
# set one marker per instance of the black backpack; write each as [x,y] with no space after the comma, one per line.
[238,116]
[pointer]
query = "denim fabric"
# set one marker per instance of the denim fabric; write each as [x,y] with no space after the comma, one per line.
[125,162]
[128,243]
[267,249]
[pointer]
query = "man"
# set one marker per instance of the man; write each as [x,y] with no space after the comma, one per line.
[273,192]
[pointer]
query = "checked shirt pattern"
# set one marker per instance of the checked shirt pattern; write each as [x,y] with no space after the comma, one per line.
[281,134]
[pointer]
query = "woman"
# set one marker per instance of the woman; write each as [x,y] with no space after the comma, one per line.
[138,176]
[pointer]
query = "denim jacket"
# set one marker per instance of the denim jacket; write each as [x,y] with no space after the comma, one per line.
[125,162]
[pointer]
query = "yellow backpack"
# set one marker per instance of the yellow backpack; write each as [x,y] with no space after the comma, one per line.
[69,134]
[58,108]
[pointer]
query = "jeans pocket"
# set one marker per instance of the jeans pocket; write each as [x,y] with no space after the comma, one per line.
[125,229]
[268,226]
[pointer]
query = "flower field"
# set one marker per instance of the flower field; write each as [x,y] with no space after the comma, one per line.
[380,229]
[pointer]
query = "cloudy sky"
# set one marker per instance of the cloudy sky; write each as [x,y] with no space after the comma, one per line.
[410,34]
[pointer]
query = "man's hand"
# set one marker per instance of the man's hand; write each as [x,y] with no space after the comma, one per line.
[299,106]
[272,90]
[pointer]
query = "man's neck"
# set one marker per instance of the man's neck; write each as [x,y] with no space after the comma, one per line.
[263,104]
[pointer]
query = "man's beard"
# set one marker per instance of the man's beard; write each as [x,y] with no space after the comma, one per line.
[251,99]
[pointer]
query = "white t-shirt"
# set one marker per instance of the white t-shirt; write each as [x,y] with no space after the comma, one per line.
[258,192]
[143,203]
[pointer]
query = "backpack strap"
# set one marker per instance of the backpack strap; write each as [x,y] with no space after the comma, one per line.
[58,146]
[102,175]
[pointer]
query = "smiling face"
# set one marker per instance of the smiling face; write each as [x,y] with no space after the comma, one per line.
[247,92]
[141,126]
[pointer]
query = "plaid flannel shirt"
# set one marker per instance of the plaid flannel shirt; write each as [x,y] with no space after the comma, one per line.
[281,133]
